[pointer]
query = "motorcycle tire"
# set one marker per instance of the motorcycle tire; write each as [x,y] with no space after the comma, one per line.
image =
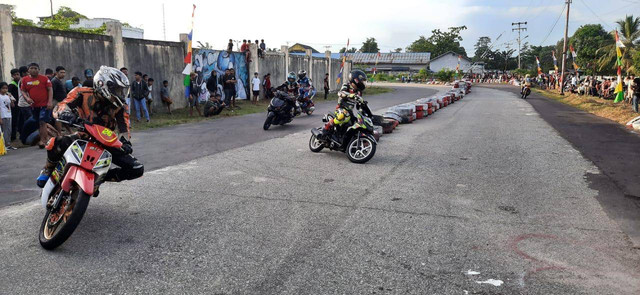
[59,237]
[367,157]
[309,112]
[268,121]
[315,145]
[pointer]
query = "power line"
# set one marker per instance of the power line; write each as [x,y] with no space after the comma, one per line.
[604,22]
[554,25]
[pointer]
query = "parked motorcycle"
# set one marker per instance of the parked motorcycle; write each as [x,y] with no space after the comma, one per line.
[305,99]
[280,111]
[67,193]
[356,140]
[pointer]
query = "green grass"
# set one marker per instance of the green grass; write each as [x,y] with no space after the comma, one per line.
[181,116]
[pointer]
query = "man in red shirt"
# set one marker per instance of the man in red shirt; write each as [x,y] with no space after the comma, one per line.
[38,92]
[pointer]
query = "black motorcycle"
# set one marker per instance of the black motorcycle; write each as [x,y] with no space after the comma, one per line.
[280,110]
[354,138]
[526,91]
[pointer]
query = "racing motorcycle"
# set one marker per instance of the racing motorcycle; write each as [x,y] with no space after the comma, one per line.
[305,99]
[526,91]
[355,138]
[279,111]
[74,181]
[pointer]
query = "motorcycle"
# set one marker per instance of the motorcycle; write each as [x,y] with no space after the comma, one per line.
[279,112]
[356,140]
[526,91]
[305,99]
[74,181]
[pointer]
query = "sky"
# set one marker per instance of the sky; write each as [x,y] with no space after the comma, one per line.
[327,24]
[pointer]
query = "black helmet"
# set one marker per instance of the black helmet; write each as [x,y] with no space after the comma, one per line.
[302,74]
[358,78]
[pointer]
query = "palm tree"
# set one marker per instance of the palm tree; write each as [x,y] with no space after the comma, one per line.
[629,33]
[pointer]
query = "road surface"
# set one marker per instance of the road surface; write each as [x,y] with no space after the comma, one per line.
[484,197]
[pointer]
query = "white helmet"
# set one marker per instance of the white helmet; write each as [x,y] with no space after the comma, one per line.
[112,84]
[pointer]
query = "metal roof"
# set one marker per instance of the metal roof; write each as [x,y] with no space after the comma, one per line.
[391,58]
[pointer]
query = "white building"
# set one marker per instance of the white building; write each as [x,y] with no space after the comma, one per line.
[449,61]
[94,23]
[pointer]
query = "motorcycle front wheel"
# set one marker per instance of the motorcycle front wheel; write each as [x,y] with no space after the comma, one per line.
[58,226]
[361,150]
[268,121]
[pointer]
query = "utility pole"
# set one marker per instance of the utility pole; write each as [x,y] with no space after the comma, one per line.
[564,49]
[520,28]
[164,24]
[51,2]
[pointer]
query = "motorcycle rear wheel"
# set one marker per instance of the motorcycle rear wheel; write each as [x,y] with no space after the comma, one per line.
[315,145]
[50,238]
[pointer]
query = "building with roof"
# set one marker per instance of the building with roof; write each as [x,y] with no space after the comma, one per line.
[449,61]
[301,48]
[392,61]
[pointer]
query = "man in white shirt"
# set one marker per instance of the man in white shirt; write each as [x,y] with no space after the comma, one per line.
[255,86]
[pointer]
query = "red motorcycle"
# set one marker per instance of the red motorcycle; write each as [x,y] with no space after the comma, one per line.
[74,180]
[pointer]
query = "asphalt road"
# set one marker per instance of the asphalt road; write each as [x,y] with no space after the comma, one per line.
[158,148]
[484,191]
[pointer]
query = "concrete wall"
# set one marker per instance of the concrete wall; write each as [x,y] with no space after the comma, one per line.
[161,61]
[52,48]
[273,63]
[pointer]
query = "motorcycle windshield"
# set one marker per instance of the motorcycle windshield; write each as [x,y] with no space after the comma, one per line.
[277,102]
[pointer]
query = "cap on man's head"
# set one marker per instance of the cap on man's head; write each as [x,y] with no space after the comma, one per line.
[88,73]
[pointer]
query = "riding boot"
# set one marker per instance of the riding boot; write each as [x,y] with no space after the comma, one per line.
[42,179]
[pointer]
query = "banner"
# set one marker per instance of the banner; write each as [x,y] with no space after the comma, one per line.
[206,62]
[187,59]
[619,91]
[344,58]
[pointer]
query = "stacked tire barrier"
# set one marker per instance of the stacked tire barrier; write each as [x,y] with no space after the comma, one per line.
[422,108]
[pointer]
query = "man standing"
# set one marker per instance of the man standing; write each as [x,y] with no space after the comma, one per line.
[229,87]
[15,110]
[59,92]
[139,92]
[149,100]
[263,47]
[326,85]
[38,92]
[212,84]
[49,73]
[636,93]
[194,92]
[266,85]
[255,85]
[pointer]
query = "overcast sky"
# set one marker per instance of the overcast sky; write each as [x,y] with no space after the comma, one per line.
[330,22]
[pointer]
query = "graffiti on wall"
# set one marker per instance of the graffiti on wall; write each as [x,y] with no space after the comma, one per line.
[207,61]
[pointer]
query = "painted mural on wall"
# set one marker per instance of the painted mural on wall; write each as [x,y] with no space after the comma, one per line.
[207,61]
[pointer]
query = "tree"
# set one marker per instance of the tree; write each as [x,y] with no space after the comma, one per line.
[18,21]
[586,41]
[370,46]
[445,75]
[440,42]
[61,20]
[504,58]
[481,47]
[352,50]
[629,33]
[529,54]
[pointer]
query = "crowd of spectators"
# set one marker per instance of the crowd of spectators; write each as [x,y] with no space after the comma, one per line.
[27,101]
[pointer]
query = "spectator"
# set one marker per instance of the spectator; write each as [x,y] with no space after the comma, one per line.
[326,85]
[230,46]
[244,46]
[260,52]
[15,110]
[255,85]
[213,106]
[266,85]
[23,105]
[145,77]
[7,101]
[59,91]
[139,92]
[149,99]
[164,95]
[72,83]
[37,91]
[212,84]
[88,78]
[629,94]
[636,93]
[193,94]
[127,100]
[125,71]
[49,73]
[263,47]
[229,87]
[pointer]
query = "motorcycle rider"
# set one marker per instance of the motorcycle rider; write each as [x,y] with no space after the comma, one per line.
[287,98]
[303,81]
[526,82]
[349,96]
[102,104]
[292,88]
